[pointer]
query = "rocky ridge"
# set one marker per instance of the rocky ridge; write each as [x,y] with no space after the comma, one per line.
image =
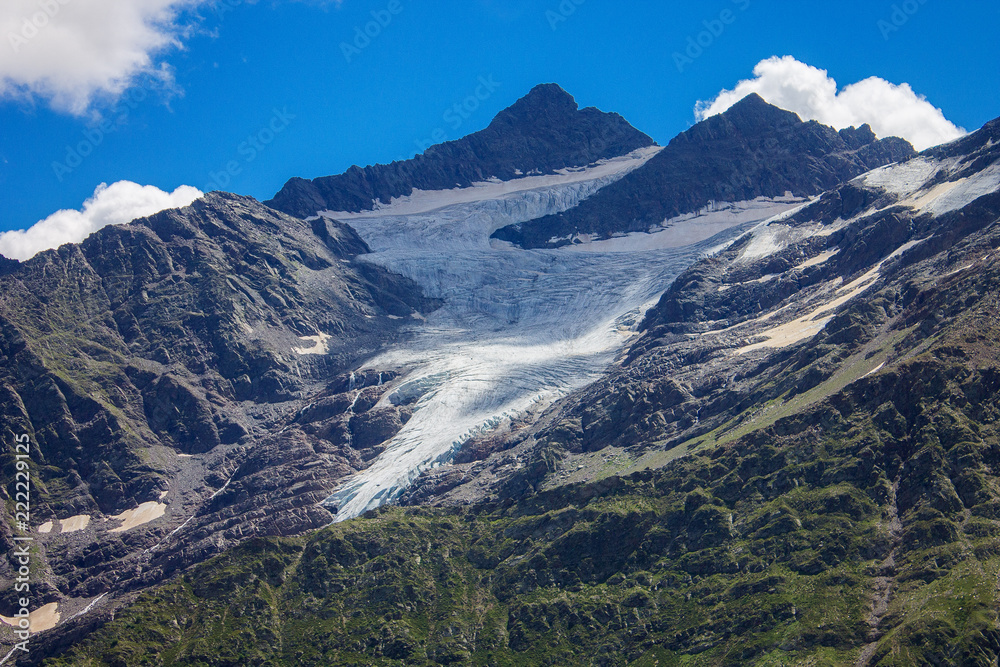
[752,150]
[541,133]
[789,314]
[152,367]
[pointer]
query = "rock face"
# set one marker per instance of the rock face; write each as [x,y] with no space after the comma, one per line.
[752,150]
[540,133]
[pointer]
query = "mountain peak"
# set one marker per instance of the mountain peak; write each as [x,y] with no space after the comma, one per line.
[856,137]
[540,133]
[753,99]
[546,102]
[755,111]
[550,92]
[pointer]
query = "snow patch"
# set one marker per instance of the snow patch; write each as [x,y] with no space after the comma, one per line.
[771,236]
[902,178]
[424,201]
[808,325]
[69,525]
[320,345]
[41,619]
[909,179]
[142,514]
[688,229]
[75,523]
[819,259]
[765,242]
[873,371]
[947,197]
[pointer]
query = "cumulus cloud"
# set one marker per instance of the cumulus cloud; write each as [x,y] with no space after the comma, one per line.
[891,109]
[73,52]
[113,204]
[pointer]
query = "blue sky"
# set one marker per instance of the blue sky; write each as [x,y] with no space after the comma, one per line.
[277,71]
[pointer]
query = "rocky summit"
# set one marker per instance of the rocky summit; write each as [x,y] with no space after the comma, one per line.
[542,132]
[549,394]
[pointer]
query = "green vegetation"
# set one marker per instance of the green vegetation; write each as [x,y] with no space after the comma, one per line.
[870,523]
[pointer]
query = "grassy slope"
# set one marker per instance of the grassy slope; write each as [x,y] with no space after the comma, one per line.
[868,523]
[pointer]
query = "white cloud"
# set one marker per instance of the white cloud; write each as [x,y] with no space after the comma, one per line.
[891,110]
[74,52]
[113,204]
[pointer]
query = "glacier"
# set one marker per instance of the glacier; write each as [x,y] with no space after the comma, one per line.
[518,329]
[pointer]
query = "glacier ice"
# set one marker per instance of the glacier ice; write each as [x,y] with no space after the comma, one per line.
[518,329]
[921,184]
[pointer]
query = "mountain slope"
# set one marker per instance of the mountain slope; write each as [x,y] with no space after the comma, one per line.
[829,389]
[752,150]
[542,132]
[790,313]
[847,534]
[793,457]
[194,379]
[156,360]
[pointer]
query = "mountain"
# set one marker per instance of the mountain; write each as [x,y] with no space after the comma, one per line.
[542,132]
[752,150]
[197,378]
[815,407]
[772,439]
[156,360]
[790,313]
